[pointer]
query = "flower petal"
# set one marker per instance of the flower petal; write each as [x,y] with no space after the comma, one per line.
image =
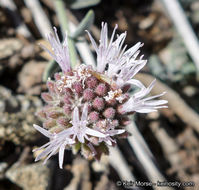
[43,131]
[84,112]
[60,52]
[75,116]
[93,132]
[61,155]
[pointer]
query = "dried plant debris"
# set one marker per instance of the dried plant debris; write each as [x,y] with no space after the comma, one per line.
[30,78]
[17,117]
[9,46]
[31,177]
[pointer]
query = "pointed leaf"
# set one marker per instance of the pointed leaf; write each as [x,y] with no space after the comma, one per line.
[50,69]
[85,24]
[79,4]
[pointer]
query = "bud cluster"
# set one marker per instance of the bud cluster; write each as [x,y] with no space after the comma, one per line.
[75,89]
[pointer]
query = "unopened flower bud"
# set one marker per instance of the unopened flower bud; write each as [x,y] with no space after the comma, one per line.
[63,122]
[109,113]
[67,99]
[98,103]
[49,123]
[101,89]
[54,114]
[78,87]
[91,82]
[51,86]
[46,97]
[41,114]
[88,94]
[68,91]
[67,109]
[93,116]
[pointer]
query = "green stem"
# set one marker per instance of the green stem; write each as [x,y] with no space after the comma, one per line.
[50,69]
[62,17]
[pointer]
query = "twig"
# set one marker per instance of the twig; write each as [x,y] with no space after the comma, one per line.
[175,102]
[169,146]
[62,17]
[171,151]
[39,16]
[145,156]
[20,26]
[184,28]
[138,136]
[118,162]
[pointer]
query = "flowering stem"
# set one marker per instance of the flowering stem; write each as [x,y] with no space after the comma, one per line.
[61,14]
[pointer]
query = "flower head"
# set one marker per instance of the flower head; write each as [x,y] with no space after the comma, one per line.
[137,103]
[79,128]
[121,63]
[88,108]
[60,51]
[58,142]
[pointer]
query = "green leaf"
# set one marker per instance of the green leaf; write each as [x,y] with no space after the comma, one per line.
[85,24]
[79,4]
[156,68]
[51,68]
[76,148]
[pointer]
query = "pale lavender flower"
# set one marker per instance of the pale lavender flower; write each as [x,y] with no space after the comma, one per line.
[80,130]
[109,131]
[60,51]
[57,143]
[99,95]
[121,64]
[137,103]
[105,51]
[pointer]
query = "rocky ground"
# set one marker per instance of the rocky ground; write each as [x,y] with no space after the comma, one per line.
[171,134]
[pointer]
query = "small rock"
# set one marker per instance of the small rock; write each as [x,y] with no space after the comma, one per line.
[8,47]
[8,102]
[31,177]
[31,77]
[81,173]
[28,51]
[17,117]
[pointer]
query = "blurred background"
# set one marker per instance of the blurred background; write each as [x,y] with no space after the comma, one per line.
[164,145]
